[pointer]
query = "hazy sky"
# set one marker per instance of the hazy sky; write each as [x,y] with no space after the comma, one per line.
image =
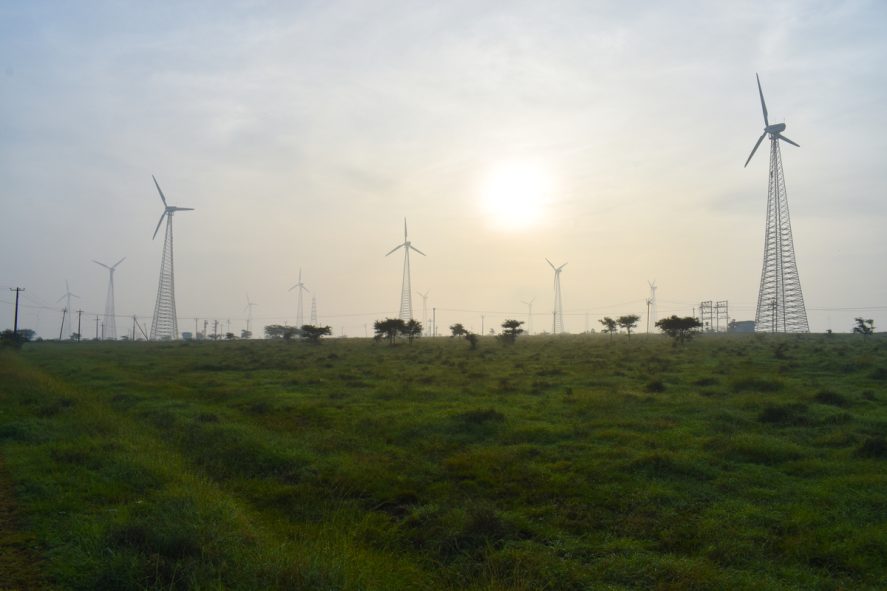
[607,135]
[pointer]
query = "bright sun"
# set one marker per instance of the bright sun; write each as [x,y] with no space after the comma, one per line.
[515,195]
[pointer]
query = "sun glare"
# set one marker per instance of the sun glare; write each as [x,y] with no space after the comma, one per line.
[514,196]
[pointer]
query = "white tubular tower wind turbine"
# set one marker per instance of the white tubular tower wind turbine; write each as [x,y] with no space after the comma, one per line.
[110,320]
[406,299]
[557,324]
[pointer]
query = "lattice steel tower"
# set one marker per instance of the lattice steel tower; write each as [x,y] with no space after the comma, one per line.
[780,300]
[406,299]
[557,320]
[165,325]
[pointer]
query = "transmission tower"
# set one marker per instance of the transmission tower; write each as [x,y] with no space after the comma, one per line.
[313,310]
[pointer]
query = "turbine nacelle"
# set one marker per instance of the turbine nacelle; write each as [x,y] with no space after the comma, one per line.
[168,210]
[775,130]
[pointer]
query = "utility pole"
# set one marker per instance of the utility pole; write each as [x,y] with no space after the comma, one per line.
[96,328]
[79,312]
[62,327]
[17,290]
[481,324]
[648,315]
[434,322]
[195,328]
[133,327]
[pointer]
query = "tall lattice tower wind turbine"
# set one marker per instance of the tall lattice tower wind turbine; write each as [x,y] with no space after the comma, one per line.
[558,313]
[67,297]
[313,316]
[300,318]
[165,324]
[780,300]
[110,320]
[406,299]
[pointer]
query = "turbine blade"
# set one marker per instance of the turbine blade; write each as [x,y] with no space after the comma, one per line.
[394,249]
[102,264]
[549,262]
[61,298]
[294,287]
[561,267]
[118,262]
[158,225]
[763,104]
[174,208]
[162,196]
[782,137]
[417,250]
[753,150]
[404,229]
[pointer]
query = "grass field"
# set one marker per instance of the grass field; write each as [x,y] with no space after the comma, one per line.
[576,462]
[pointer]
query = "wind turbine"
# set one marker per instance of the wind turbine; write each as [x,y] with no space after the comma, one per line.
[68,295]
[301,286]
[558,314]
[110,320]
[651,305]
[424,297]
[165,324]
[780,299]
[406,299]
[249,315]
[530,315]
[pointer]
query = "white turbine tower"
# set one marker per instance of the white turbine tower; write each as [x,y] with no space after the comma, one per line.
[424,297]
[299,312]
[558,313]
[165,324]
[249,313]
[406,299]
[67,297]
[529,315]
[110,327]
[651,305]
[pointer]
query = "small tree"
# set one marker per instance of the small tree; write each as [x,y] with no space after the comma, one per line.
[628,322]
[313,333]
[472,340]
[865,327]
[246,334]
[680,329]
[510,330]
[389,328]
[458,330]
[412,329]
[609,325]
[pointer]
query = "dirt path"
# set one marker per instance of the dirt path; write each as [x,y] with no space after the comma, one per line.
[18,561]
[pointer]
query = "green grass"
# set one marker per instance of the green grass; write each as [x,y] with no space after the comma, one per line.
[557,463]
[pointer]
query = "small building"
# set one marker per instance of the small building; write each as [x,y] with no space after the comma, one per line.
[741,326]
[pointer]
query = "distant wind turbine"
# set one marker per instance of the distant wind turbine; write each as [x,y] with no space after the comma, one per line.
[110,330]
[424,297]
[529,315]
[299,313]
[558,313]
[406,299]
[165,324]
[67,297]
[249,314]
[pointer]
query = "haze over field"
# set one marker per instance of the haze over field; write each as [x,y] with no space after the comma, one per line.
[610,138]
